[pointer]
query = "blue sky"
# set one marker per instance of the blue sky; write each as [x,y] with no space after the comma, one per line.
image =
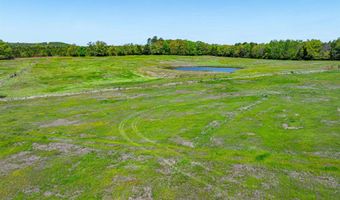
[125,21]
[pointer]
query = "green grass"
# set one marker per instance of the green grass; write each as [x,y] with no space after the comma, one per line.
[267,131]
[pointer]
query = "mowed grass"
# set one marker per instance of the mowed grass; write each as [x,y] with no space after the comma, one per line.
[268,131]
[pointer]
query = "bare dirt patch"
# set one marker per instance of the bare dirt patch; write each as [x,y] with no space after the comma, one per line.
[217,141]
[181,141]
[31,190]
[250,134]
[211,126]
[308,87]
[123,179]
[327,154]
[110,138]
[141,193]
[59,122]
[287,127]
[309,179]
[182,92]
[63,148]
[126,156]
[84,135]
[167,165]
[330,122]
[247,107]
[240,172]
[18,161]
[315,100]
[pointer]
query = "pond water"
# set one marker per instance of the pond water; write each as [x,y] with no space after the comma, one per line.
[207,69]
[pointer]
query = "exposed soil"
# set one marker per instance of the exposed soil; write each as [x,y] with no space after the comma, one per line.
[141,193]
[167,165]
[18,161]
[181,141]
[308,179]
[287,127]
[59,122]
[65,148]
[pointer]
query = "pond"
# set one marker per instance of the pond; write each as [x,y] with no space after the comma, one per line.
[207,69]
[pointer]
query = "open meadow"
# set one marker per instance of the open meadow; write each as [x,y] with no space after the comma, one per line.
[131,127]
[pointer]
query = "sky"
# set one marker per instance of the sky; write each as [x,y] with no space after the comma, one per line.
[133,21]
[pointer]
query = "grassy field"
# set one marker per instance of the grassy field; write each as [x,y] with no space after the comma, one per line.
[132,128]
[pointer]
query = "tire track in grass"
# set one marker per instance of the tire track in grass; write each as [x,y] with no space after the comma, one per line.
[121,128]
[135,118]
[170,165]
[138,133]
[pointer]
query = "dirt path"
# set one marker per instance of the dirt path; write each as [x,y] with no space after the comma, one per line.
[155,86]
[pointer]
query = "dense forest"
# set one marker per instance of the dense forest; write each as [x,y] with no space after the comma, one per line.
[276,49]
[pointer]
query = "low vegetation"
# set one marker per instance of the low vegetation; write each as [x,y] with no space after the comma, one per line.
[132,128]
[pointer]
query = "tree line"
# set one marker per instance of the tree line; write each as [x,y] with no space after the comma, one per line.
[275,49]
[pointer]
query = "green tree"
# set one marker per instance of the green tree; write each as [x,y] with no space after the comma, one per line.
[258,51]
[202,48]
[335,49]
[112,51]
[214,50]
[82,51]
[276,49]
[165,48]
[73,50]
[98,48]
[156,46]
[313,48]
[5,51]
[147,49]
